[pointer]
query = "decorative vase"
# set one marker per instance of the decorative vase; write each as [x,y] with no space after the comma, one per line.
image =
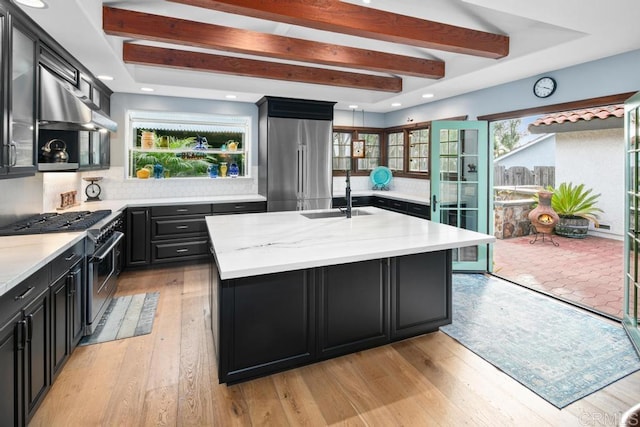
[213,171]
[543,217]
[158,171]
[234,171]
[223,169]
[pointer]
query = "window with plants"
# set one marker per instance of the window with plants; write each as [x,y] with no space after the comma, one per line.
[180,145]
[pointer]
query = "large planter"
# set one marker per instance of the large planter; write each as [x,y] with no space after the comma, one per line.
[572,226]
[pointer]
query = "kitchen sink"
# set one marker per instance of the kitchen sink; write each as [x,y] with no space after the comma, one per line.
[334,214]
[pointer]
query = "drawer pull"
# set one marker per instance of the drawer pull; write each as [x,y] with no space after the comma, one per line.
[24,295]
[181,251]
[182,210]
[181,227]
[70,257]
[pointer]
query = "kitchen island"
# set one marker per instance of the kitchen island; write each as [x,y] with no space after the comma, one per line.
[293,288]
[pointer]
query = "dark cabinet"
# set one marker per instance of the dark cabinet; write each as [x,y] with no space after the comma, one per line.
[66,316]
[138,237]
[12,335]
[420,293]
[37,362]
[356,201]
[175,233]
[268,324]
[18,156]
[346,288]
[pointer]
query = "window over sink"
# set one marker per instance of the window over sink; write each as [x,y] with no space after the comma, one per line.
[174,145]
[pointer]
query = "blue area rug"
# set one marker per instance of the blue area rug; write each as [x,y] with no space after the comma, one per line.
[559,352]
[127,316]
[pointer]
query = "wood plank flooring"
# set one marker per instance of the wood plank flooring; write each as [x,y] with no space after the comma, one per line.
[168,378]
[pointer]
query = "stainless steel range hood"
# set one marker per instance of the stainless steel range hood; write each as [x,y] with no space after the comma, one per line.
[63,107]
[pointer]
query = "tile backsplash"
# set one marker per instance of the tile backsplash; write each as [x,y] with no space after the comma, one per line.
[403,185]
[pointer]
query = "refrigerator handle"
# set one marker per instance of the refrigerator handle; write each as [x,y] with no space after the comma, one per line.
[301,171]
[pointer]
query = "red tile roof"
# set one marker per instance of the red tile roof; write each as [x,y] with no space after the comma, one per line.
[577,115]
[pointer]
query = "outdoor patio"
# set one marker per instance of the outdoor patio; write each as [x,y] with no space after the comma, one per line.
[588,272]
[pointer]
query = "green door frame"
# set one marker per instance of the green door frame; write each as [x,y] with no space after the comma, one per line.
[460,185]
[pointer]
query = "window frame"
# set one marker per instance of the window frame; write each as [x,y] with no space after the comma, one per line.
[355,132]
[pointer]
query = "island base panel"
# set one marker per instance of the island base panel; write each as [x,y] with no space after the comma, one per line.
[273,322]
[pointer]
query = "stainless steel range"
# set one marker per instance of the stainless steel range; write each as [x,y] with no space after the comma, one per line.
[104,249]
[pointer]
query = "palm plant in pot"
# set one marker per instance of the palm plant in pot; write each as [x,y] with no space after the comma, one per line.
[576,207]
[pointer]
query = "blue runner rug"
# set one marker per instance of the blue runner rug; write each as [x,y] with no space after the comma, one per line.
[127,316]
[558,351]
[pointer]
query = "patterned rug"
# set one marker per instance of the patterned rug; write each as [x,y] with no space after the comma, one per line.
[126,317]
[559,352]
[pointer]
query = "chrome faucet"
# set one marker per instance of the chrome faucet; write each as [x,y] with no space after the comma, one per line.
[348,193]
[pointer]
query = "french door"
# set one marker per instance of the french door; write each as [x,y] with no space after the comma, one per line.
[460,176]
[632,220]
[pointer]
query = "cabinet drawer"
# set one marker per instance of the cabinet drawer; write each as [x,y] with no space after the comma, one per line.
[180,250]
[422,211]
[22,294]
[66,260]
[239,207]
[168,227]
[180,210]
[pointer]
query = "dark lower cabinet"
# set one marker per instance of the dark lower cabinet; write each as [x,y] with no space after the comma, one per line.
[420,293]
[11,366]
[59,325]
[353,307]
[37,362]
[138,237]
[269,323]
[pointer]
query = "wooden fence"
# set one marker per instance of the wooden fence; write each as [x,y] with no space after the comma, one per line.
[520,175]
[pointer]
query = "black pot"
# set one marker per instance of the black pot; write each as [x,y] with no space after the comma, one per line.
[55,151]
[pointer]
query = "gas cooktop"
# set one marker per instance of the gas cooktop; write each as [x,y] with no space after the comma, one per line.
[53,222]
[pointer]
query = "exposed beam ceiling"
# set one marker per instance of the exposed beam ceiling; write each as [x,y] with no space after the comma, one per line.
[339,17]
[146,26]
[181,59]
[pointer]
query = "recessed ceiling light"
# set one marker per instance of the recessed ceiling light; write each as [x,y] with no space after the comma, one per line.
[38,4]
[396,104]
[230,96]
[427,95]
[353,107]
[366,1]
[105,77]
[147,89]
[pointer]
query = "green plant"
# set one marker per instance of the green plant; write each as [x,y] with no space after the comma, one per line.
[575,201]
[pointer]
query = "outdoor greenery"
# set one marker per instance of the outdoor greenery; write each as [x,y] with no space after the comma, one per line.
[505,136]
[575,201]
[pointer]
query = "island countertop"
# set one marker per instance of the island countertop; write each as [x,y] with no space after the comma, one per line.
[264,243]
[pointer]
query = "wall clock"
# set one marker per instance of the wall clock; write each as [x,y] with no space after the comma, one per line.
[544,87]
[92,190]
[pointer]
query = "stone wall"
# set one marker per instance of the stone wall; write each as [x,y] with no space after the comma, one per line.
[510,218]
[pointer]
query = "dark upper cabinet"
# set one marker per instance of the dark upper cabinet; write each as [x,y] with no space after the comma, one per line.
[18,129]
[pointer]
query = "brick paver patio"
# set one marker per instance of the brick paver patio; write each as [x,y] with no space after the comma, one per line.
[587,272]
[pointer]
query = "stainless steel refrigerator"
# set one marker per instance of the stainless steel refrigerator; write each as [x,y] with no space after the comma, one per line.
[295,167]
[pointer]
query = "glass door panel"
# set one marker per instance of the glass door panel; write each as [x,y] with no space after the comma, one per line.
[632,221]
[460,184]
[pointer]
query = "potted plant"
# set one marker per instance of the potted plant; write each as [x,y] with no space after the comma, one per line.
[576,207]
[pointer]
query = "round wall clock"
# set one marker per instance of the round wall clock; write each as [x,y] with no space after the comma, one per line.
[544,87]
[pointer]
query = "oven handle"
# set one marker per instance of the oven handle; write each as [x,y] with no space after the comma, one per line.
[100,256]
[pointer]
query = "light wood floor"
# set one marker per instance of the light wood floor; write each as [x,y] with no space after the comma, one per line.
[169,378]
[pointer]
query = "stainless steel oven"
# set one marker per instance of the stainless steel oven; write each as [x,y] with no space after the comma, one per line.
[103,247]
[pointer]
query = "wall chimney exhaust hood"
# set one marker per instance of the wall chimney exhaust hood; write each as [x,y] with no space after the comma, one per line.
[63,107]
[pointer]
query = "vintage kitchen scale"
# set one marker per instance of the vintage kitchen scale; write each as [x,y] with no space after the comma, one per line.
[93,190]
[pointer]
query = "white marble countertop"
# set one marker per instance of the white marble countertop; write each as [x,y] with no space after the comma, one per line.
[21,256]
[253,244]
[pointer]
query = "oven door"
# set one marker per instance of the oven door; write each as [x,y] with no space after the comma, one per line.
[102,280]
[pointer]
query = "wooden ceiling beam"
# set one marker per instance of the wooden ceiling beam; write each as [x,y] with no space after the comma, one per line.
[145,26]
[341,17]
[196,61]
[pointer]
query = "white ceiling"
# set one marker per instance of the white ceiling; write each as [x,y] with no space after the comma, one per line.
[545,35]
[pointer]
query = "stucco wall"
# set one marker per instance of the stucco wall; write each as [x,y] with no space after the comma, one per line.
[596,158]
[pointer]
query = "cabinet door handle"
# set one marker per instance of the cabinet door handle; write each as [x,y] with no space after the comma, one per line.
[24,294]
[29,327]
[181,251]
[21,340]
[434,203]
[13,154]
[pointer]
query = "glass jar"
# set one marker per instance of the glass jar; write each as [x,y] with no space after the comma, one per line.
[234,171]
[223,169]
